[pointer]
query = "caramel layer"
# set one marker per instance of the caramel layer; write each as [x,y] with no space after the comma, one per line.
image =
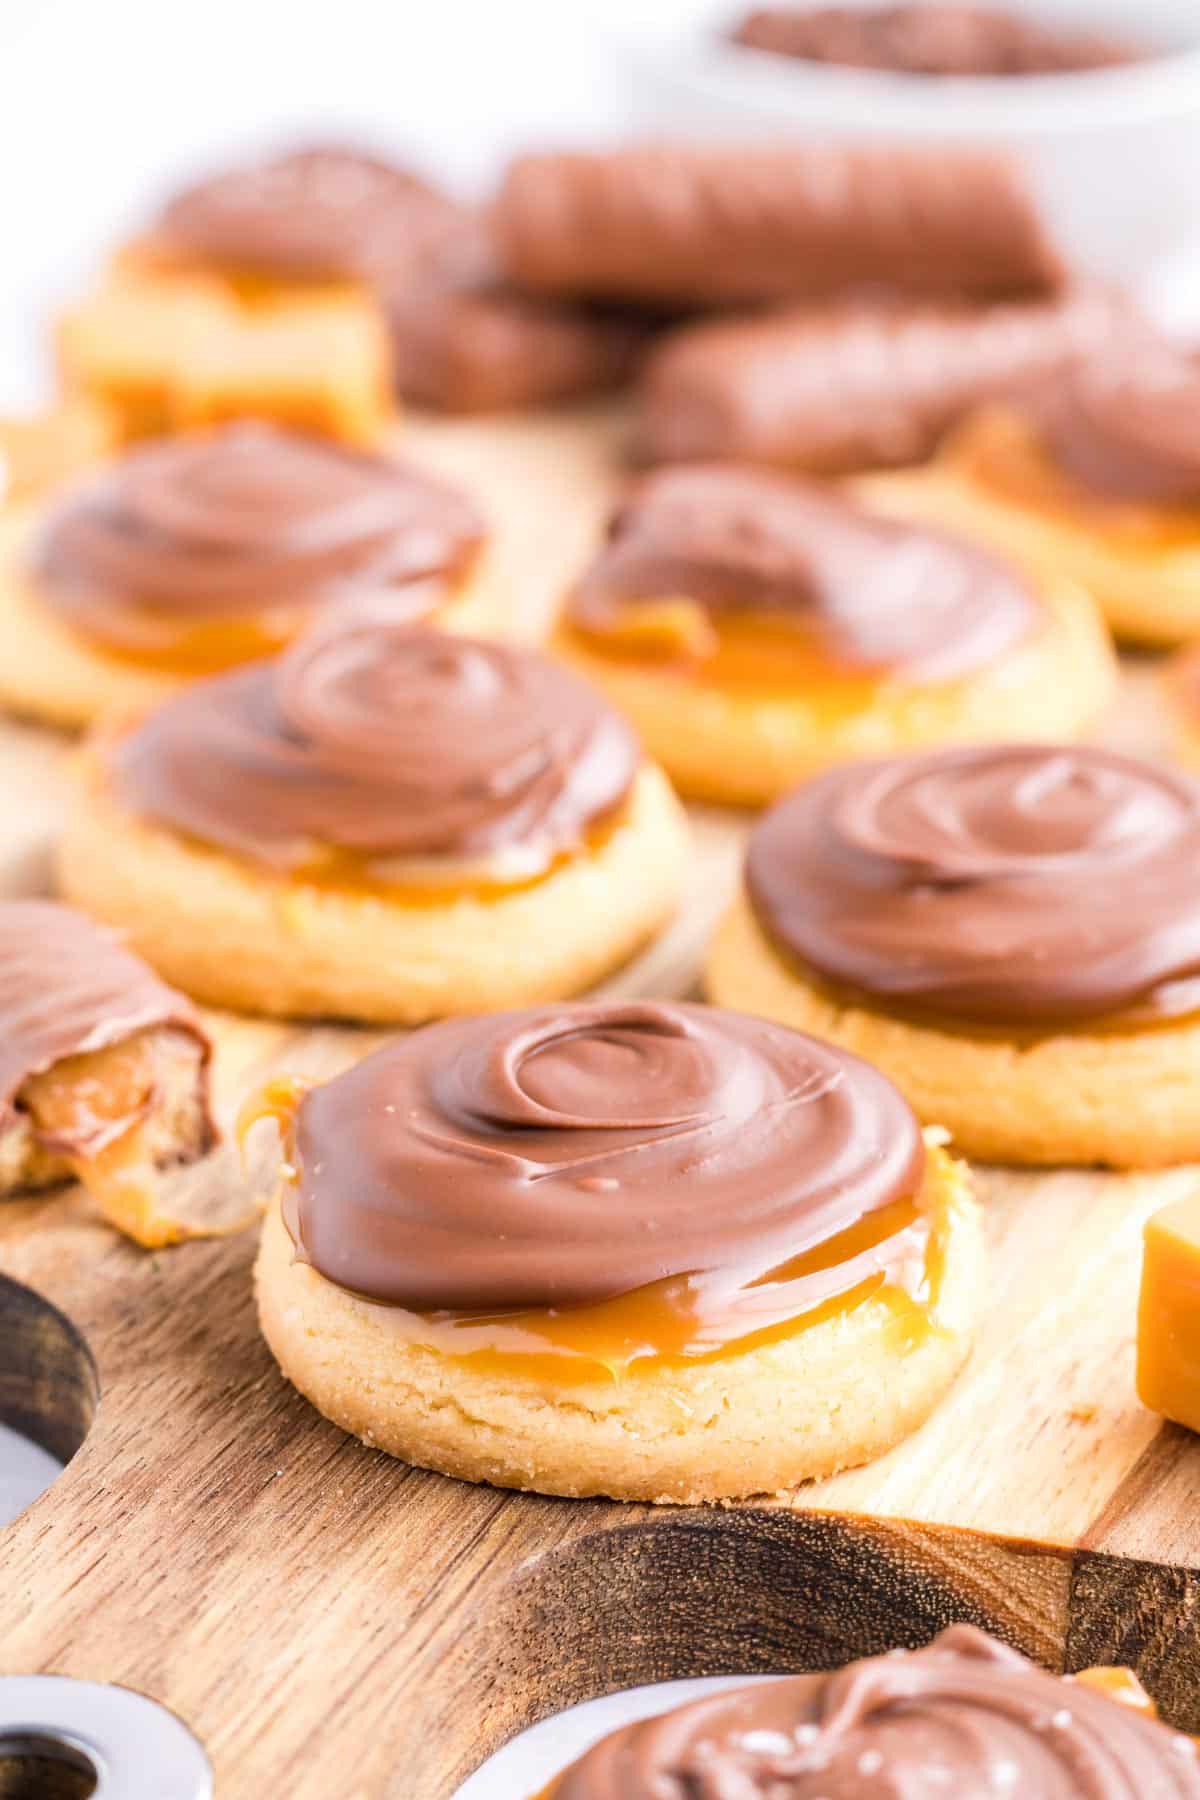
[152,639]
[745,651]
[93,1110]
[685,1319]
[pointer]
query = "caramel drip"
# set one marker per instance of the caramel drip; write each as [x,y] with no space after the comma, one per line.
[668,1323]
[278,1100]
[417,884]
[578,1192]
[682,1320]
[145,637]
[751,650]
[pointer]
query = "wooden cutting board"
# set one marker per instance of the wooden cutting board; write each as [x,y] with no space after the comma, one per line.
[332,1623]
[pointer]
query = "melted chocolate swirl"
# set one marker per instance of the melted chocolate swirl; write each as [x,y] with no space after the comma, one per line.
[1127,426]
[1023,886]
[877,593]
[965,1717]
[564,1155]
[250,520]
[309,213]
[383,741]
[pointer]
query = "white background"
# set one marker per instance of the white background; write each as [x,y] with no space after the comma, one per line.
[108,103]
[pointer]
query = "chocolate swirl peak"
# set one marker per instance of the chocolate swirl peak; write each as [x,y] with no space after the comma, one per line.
[68,987]
[1018,886]
[965,1717]
[564,1155]
[874,592]
[386,742]
[245,521]
[313,213]
[1126,425]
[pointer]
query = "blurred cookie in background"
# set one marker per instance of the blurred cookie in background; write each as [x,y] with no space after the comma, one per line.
[1091,473]
[249,295]
[314,289]
[198,553]
[756,627]
[851,384]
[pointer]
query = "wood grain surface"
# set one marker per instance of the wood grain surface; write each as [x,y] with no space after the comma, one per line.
[332,1623]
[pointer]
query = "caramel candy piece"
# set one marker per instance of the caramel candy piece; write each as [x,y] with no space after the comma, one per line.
[703,224]
[1119,1684]
[1168,1361]
[849,387]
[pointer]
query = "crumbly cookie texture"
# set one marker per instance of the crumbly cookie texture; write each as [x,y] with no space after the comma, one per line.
[236,935]
[758,1421]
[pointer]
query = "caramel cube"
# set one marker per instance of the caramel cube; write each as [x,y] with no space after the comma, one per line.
[1168,1365]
